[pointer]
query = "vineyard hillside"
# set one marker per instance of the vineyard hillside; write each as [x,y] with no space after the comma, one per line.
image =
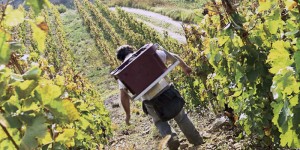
[57,92]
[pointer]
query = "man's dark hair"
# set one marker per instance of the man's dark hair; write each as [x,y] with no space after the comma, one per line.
[123,51]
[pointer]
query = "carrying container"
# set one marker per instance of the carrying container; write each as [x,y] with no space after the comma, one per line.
[142,70]
[139,71]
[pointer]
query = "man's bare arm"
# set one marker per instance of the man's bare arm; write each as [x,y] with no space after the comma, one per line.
[125,101]
[187,70]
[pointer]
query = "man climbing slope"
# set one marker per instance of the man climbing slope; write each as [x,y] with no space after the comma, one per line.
[162,100]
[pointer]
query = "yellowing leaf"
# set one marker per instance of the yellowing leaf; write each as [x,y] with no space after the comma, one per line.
[39,36]
[13,17]
[263,5]
[273,26]
[67,137]
[46,92]
[59,80]
[43,26]
[72,112]
[84,123]
[285,82]
[4,48]
[294,101]
[222,40]
[279,57]
[290,138]
[46,139]
[290,4]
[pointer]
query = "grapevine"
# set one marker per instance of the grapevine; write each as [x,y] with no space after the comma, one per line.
[43,107]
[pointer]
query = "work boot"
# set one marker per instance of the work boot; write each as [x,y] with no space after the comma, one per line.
[173,142]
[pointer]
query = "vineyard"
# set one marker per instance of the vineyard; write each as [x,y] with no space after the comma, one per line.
[44,102]
[245,55]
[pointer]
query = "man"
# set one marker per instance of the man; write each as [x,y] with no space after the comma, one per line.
[161,92]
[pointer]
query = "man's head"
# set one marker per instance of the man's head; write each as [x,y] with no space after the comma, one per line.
[123,51]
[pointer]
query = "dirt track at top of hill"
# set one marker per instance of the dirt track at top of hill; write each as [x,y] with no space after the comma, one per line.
[174,29]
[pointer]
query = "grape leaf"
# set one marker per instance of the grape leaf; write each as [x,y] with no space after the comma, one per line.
[25,88]
[13,17]
[294,101]
[297,61]
[278,57]
[32,74]
[222,40]
[290,4]
[47,139]
[284,82]
[284,116]
[264,6]
[37,129]
[296,112]
[84,123]
[290,138]
[273,26]
[277,107]
[72,112]
[58,110]
[46,92]
[298,43]
[4,48]
[67,137]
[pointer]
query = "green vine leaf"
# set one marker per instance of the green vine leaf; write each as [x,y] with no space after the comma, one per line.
[32,74]
[36,130]
[25,88]
[222,40]
[46,92]
[297,61]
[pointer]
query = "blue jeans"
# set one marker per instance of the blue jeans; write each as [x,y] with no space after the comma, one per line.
[184,123]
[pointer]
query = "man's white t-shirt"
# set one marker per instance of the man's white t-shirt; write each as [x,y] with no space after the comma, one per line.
[163,83]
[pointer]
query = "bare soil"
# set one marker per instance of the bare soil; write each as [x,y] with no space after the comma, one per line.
[218,133]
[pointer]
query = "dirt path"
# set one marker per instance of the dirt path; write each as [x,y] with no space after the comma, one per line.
[158,22]
[218,133]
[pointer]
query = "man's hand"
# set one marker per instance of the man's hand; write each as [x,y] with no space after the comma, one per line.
[187,70]
[127,119]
